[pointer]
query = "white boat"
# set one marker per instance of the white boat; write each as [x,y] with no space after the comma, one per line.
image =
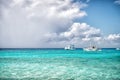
[70,47]
[91,48]
[117,48]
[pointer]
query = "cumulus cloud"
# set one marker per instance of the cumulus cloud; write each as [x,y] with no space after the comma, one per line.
[114,38]
[43,23]
[117,2]
[77,33]
[23,23]
[82,34]
[82,30]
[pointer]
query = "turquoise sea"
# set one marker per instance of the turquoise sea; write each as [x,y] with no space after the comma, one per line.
[59,64]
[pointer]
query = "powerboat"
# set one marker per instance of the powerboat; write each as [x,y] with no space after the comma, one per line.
[91,48]
[69,47]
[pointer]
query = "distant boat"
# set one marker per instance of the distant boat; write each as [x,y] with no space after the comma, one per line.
[117,48]
[70,47]
[91,48]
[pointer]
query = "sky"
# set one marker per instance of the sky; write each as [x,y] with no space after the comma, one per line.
[57,23]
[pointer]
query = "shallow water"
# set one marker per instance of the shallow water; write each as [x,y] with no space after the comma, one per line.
[58,64]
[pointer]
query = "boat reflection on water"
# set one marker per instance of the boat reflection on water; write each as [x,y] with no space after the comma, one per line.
[117,48]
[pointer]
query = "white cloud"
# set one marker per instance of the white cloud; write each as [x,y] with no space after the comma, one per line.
[43,23]
[82,30]
[112,40]
[114,37]
[23,23]
[78,33]
[117,2]
[82,34]
[56,8]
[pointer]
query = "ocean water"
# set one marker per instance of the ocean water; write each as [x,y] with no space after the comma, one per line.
[59,64]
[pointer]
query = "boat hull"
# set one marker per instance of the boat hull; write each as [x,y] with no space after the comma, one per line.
[88,49]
